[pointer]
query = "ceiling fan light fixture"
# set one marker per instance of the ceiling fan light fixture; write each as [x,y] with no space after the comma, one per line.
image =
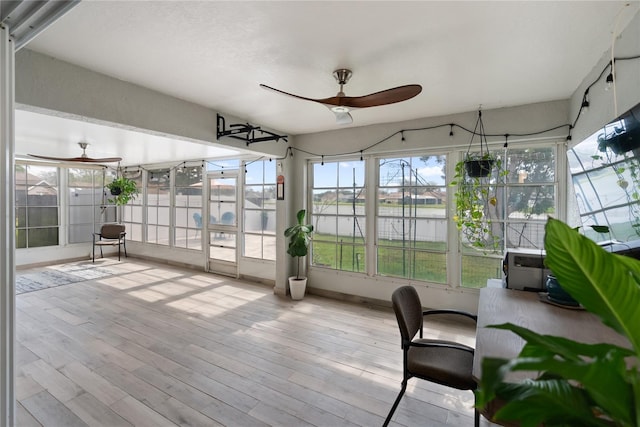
[340,109]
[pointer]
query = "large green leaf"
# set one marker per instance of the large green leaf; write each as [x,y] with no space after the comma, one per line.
[604,380]
[602,282]
[552,402]
[540,345]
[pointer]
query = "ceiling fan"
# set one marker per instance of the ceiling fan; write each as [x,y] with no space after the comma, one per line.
[82,159]
[341,104]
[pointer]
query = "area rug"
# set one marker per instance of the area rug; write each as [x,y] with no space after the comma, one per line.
[59,275]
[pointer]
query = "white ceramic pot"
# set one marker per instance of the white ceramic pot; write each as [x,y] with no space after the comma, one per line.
[297,287]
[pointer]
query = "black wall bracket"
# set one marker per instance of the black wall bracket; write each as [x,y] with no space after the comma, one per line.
[246,132]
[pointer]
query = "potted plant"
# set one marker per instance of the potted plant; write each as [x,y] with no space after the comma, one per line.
[475,199]
[576,384]
[299,238]
[123,190]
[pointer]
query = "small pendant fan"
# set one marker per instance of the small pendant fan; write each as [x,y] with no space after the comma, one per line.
[82,159]
[341,104]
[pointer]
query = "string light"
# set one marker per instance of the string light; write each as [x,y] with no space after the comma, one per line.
[583,107]
[609,81]
[585,101]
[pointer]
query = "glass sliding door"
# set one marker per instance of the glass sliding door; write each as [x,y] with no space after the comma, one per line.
[222,225]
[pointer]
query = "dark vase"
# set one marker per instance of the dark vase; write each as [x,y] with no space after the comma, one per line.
[478,168]
[115,191]
[558,295]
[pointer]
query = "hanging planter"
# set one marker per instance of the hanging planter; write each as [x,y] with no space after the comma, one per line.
[476,202]
[478,164]
[123,190]
[478,168]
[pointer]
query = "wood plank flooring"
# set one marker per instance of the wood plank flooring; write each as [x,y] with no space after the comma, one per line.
[154,345]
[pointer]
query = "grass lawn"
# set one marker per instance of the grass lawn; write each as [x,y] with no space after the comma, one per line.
[416,260]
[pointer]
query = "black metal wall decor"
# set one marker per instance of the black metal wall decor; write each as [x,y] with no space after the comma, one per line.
[246,132]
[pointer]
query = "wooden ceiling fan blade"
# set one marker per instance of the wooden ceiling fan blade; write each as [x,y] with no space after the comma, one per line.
[78,159]
[384,97]
[290,94]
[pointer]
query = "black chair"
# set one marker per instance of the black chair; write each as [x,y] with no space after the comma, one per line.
[443,362]
[110,235]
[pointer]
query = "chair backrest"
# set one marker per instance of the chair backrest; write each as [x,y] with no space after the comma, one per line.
[111,231]
[408,308]
[197,218]
[227,218]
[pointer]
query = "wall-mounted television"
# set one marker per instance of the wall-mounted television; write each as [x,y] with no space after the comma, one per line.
[621,135]
[605,171]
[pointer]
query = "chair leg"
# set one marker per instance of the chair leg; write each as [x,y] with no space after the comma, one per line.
[395,404]
[118,251]
[93,251]
[476,418]
[124,245]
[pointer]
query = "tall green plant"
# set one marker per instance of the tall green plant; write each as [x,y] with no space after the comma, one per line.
[299,238]
[578,384]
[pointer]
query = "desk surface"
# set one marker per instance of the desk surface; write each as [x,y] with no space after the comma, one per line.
[522,308]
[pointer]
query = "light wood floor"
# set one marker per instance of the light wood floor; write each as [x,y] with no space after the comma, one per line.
[154,345]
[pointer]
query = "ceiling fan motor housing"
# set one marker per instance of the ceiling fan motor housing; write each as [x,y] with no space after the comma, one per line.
[342,75]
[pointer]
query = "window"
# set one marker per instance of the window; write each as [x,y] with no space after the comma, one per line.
[524,196]
[412,218]
[260,210]
[188,208]
[607,189]
[132,211]
[338,215]
[88,202]
[37,206]
[158,206]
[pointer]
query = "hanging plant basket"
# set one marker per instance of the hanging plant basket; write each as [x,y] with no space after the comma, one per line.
[123,190]
[619,144]
[479,168]
[476,202]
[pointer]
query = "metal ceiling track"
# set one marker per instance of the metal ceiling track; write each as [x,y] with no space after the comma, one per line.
[26,19]
[246,132]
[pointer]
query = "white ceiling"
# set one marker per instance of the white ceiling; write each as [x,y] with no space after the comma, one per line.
[216,54]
